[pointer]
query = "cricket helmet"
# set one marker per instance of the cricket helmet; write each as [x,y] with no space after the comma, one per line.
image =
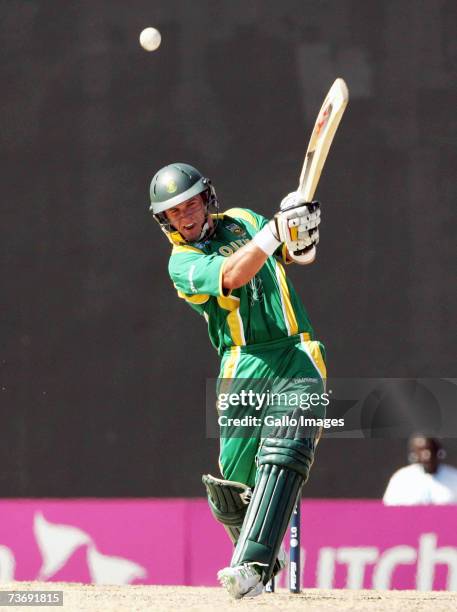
[173,185]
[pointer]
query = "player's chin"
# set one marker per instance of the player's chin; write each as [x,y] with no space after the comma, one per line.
[190,235]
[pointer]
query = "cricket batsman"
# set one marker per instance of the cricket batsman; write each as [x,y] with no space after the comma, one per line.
[229,267]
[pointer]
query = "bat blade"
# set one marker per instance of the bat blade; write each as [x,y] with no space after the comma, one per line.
[327,122]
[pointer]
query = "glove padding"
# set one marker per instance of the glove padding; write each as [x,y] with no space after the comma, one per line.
[297,224]
[291,200]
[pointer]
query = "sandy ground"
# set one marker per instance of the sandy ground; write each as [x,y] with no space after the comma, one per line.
[201,599]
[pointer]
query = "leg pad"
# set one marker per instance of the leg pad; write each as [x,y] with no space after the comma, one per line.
[228,501]
[284,461]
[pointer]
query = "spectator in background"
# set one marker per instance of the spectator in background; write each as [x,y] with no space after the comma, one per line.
[427,480]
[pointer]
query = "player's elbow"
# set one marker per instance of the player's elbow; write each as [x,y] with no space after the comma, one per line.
[233,280]
[240,267]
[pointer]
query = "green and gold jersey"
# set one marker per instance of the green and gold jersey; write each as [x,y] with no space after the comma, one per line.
[266,308]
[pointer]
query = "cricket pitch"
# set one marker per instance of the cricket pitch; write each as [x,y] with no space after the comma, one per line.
[97,598]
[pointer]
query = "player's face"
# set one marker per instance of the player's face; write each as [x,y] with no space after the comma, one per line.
[189,217]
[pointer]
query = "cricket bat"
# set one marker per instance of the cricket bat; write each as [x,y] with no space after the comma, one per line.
[327,123]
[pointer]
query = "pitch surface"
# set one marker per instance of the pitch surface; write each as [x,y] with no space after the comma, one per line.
[97,598]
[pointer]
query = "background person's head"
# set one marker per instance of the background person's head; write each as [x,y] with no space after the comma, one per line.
[426,451]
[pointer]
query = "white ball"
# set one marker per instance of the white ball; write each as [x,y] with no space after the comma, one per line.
[150,39]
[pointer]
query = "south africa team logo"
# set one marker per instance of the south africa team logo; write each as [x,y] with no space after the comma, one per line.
[172,186]
[236,229]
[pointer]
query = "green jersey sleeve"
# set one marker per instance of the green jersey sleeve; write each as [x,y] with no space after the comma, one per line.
[254,223]
[197,276]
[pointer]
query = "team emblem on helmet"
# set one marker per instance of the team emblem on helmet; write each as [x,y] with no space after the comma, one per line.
[172,186]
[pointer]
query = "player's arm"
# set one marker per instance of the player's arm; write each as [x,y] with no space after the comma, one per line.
[244,264]
[295,226]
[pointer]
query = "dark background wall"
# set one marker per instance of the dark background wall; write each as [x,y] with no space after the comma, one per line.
[102,368]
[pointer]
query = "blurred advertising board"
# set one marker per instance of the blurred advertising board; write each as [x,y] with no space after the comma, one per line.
[345,544]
